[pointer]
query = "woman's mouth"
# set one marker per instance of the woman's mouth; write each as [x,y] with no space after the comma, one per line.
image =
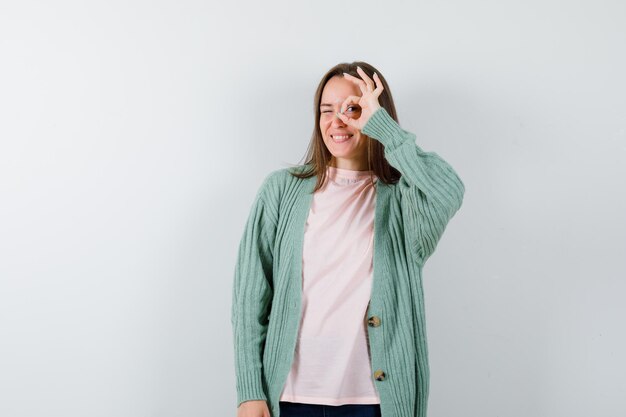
[341,138]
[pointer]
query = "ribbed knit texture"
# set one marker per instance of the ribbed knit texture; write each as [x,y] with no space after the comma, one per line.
[410,218]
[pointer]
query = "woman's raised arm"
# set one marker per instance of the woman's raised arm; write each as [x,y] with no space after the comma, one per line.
[432,192]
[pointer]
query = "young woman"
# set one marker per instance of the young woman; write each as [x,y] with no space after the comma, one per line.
[328,308]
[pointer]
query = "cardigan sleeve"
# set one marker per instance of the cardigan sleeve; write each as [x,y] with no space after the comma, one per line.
[251,297]
[431,190]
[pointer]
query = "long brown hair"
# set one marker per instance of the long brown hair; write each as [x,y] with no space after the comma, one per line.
[318,156]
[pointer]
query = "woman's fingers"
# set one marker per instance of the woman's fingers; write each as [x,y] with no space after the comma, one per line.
[379,85]
[368,80]
[367,85]
[358,81]
[368,102]
[347,120]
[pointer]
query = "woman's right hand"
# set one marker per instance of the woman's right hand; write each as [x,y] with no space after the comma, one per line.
[253,408]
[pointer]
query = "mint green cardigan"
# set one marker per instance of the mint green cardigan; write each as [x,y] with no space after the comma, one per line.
[410,218]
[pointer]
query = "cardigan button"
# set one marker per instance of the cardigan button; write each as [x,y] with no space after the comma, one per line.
[379,375]
[373,321]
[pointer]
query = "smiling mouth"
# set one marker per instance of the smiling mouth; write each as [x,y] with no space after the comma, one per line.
[341,138]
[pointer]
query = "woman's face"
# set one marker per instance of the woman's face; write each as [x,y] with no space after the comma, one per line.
[350,152]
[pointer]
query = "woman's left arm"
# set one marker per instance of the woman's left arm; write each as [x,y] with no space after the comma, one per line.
[431,190]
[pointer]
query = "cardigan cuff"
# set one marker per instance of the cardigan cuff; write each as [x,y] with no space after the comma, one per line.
[249,387]
[382,127]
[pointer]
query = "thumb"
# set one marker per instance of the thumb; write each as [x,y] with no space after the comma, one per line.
[347,120]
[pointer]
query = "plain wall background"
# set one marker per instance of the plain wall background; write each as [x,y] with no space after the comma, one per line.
[134,135]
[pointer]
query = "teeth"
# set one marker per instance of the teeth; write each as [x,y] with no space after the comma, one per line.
[341,137]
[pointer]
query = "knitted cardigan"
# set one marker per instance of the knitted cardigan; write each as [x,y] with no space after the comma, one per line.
[410,218]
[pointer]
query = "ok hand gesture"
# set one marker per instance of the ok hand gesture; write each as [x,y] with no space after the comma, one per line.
[368,102]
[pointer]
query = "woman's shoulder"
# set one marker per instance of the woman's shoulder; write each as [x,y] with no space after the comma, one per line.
[286,174]
[278,179]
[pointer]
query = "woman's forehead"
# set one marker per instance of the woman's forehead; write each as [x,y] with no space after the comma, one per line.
[339,89]
[335,96]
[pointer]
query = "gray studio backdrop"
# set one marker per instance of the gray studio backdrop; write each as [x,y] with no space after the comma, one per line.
[134,135]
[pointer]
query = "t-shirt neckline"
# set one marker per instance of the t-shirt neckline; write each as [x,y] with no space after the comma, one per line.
[345,176]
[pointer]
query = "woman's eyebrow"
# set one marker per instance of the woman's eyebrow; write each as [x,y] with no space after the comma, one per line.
[327,104]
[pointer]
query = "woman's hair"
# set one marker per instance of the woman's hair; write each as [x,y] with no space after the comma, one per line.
[318,155]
